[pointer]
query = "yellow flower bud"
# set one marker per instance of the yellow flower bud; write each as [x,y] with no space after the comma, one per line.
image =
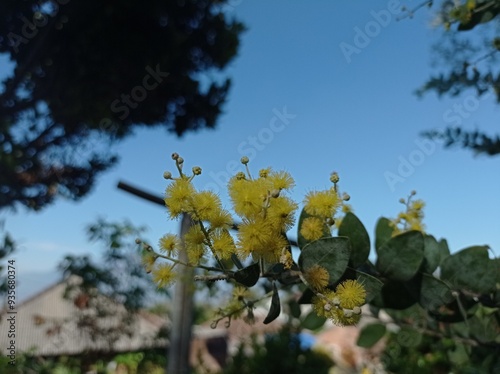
[245,160]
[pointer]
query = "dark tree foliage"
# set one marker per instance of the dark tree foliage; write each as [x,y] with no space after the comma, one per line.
[88,72]
[468,51]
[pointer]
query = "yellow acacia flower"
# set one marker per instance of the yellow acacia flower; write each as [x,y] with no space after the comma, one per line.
[176,196]
[205,204]
[317,276]
[241,293]
[322,203]
[163,275]
[286,259]
[260,239]
[253,234]
[280,213]
[195,244]
[323,306]
[169,243]
[148,260]
[411,218]
[222,243]
[342,306]
[264,173]
[220,219]
[312,228]
[351,293]
[247,196]
[345,317]
[281,180]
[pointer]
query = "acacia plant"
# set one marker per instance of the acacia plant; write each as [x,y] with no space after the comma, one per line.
[424,288]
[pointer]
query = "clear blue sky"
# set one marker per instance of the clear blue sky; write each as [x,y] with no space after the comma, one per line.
[359,118]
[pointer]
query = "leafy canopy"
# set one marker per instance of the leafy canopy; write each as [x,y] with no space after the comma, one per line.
[87,73]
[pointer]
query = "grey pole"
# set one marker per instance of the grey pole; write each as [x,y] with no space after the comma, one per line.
[182,313]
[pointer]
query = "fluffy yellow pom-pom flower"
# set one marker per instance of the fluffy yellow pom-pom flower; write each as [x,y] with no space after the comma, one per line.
[312,228]
[222,243]
[169,243]
[163,275]
[322,203]
[177,195]
[351,293]
[317,276]
[205,204]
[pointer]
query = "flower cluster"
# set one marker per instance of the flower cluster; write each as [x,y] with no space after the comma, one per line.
[322,206]
[265,211]
[342,306]
[266,214]
[411,218]
[209,233]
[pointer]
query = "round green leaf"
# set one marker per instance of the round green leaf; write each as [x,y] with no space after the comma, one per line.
[434,293]
[313,321]
[353,228]
[409,337]
[372,285]
[331,253]
[432,254]
[383,231]
[400,258]
[470,269]
[370,335]
[397,295]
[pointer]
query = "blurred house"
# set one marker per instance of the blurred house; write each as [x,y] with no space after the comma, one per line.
[50,325]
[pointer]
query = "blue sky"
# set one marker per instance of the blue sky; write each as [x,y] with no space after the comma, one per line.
[297,103]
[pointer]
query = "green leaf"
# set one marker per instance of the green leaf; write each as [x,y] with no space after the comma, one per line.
[275,309]
[470,269]
[370,335]
[409,337]
[372,285]
[484,327]
[383,232]
[352,227]
[432,254]
[443,249]
[398,295]
[331,253]
[400,258]
[248,276]
[301,241]
[306,296]
[434,293]
[313,321]
[294,308]
[459,356]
